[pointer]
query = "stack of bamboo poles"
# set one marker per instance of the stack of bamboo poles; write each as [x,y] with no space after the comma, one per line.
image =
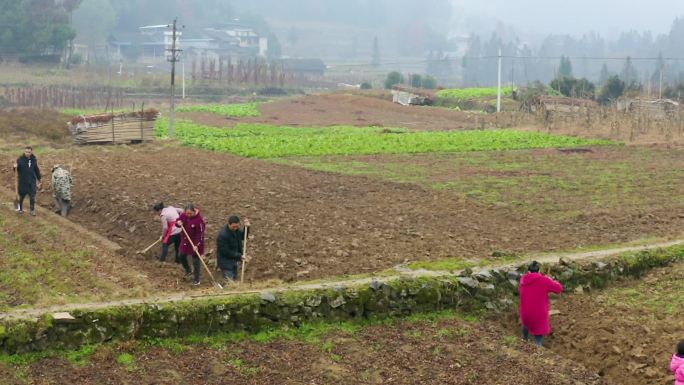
[110,128]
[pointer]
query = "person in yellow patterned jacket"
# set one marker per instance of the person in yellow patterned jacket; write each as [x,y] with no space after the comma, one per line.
[61,189]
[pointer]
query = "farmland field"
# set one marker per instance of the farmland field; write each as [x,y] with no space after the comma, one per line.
[473,93]
[360,111]
[632,327]
[376,211]
[227,110]
[266,141]
[368,213]
[88,111]
[45,264]
[363,192]
[369,189]
[562,183]
[440,349]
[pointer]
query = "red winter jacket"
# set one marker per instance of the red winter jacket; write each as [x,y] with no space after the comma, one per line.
[534,302]
[194,226]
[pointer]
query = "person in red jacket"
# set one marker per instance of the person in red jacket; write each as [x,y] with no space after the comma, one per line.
[191,220]
[534,303]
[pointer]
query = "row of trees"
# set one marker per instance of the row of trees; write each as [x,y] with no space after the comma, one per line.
[524,63]
[610,91]
[565,84]
[414,80]
[609,86]
[36,27]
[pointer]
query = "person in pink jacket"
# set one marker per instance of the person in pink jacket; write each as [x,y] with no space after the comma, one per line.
[191,220]
[534,303]
[170,235]
[677,364]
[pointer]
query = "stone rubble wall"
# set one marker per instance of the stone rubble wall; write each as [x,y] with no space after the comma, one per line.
[470,291]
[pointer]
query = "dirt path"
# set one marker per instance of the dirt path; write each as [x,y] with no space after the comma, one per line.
[44,215]
[401,273]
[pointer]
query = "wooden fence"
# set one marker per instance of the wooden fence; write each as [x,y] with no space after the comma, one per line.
[63,97]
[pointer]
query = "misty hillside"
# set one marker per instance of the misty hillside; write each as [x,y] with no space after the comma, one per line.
[332,29]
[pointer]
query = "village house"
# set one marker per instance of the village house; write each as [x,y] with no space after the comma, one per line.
[150,45]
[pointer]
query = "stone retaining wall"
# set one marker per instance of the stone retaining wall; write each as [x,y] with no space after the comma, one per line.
[486,289]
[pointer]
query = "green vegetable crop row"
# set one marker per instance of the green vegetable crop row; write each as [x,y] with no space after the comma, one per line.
[473,93]
[88,111]
[229,110]
[266,141]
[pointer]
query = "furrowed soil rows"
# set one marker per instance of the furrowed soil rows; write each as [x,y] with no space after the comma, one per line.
[548,182]
[451,352]
[627,333]
[312,224]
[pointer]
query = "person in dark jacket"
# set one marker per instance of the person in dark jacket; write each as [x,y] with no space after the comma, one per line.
[28,174]
[192,240]
[230,247]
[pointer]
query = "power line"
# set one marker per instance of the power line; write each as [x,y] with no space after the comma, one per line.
[580,58]
[474,58]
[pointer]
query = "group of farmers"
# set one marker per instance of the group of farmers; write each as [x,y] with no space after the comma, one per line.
[184,229]
[28,182]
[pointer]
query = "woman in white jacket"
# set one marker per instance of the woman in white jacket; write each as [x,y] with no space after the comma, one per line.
[171,234]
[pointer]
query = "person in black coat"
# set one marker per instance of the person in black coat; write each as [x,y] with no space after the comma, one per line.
[230,247]
[28,174]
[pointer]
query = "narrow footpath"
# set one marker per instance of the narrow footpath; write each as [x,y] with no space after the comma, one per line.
[331,284]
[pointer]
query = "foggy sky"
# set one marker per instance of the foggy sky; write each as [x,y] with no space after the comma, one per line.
[576,17]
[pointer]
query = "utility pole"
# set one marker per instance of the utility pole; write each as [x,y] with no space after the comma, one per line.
[498,87]
[173,58]
[661,83]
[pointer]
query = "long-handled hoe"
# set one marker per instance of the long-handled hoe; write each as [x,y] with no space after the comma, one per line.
[218,285]
[244,261]
[16,189]
[149,247]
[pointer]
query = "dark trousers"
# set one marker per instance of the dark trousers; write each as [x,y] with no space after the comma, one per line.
[195,266]
[61,206]
[175,241]
[538,340]
[32,199]
[230,271]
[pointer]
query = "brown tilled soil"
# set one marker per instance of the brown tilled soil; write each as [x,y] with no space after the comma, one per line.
[309,224]
[622,131]
[354,110]
[548,182]
[630,342]
[446,352]
[627,333]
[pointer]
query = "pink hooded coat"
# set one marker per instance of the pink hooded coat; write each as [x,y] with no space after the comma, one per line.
[534,302]
[677,367]
[194,226]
